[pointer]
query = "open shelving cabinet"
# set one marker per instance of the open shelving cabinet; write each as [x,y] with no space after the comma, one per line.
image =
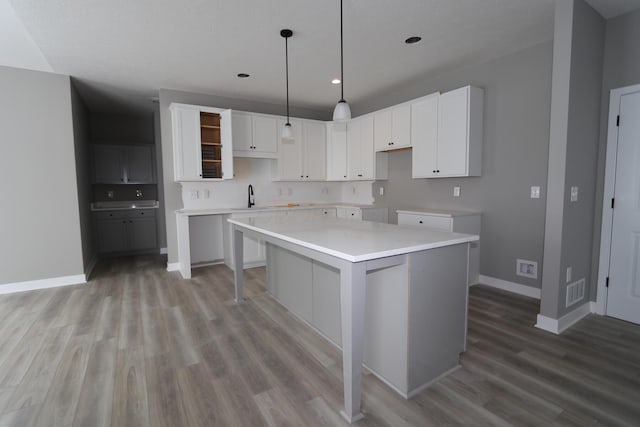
[210,145]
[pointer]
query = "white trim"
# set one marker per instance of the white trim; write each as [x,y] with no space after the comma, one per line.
[505,285]
[53,282]
[163,251]
[558,326]
[173,266]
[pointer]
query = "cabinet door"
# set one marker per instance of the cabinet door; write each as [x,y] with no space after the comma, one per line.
[367,153]
[382,130]
[336,151]
[265,134]
[226,136]
[401,126]
[141,233]
[108,164]
[314,150]
[354,162]
[452,132]
[139,164]
[186,144]
[242,132]
[424,137]
[290,153]
[111,235]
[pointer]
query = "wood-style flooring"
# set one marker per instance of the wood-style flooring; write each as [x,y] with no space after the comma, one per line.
[137,346]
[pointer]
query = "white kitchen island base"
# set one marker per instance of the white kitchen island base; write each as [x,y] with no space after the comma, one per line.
[402,294]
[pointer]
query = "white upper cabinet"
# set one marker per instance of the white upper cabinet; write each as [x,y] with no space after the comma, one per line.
[314,150]
[255,135]
[424,136]
[360,154]
[202,143]
[453,147]
[336,151]
[392,128]
[303,158]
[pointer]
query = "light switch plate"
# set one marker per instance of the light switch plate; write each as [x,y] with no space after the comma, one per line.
[456,191]
[574,194]
[194,194]
[535,192]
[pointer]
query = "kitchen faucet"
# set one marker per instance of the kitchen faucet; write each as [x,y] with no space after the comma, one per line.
[251,199]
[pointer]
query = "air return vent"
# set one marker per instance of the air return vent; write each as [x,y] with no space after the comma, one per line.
[575,292]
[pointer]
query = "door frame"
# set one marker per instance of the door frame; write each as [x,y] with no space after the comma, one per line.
[609,191]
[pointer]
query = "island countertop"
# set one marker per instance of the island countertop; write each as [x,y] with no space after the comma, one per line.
[352,241]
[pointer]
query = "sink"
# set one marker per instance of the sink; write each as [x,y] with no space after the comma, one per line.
[126,204]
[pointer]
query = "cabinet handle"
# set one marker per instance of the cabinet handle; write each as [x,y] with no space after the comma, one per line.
[301,176]
[130,222]
[438,170]
[124,222]
[420,222]
[307,176]
[359,174]
[345,176]
[141,213]
[434,171]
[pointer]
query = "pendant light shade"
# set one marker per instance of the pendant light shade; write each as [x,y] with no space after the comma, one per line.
[342,112]
[287,131]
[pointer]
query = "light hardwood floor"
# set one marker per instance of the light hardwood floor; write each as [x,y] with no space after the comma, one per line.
[138,346]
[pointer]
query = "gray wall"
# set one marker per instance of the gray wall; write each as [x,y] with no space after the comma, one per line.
[122,128]
[621,68]
[39,219]
[172,190]
[80,116]
[573,150]
[515,152]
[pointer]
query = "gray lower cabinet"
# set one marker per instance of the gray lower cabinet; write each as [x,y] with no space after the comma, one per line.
[415,315]
[126,230]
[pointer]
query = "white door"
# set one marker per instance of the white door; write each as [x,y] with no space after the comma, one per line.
[623,299]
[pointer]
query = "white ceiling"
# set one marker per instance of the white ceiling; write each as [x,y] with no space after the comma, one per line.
[611,8]
[123,51]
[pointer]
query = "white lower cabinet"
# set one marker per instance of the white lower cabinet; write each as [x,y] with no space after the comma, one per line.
[452,221]
[364,214]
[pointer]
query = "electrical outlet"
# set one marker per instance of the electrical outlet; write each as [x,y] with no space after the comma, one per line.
[574,194]
[527,268]
[382,191]
[110,194]
[456,191]
[205,194]
[535,192]
[194,194]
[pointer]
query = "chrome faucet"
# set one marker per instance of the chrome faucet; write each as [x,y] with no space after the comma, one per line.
[251,199]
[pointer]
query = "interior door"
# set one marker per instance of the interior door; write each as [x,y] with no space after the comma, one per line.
[623,298]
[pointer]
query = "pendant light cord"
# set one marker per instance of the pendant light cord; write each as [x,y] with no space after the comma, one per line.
[286,55]
[341,57]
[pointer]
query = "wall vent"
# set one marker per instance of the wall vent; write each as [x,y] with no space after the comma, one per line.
[575,292]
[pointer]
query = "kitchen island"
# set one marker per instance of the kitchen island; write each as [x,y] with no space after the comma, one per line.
[399,293]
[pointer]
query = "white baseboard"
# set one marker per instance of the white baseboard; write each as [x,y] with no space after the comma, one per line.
[558,326]
[173,266]
[505,285]
[163,251]
[32,285]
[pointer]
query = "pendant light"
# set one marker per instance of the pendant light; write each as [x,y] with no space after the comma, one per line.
[342,112]
[287,132]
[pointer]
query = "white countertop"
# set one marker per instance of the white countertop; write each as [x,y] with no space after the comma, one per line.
[301,206]
[437,212]
[353,241]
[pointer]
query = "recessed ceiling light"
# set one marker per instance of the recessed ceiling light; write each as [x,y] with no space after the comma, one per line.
[413,40]
[335,81]
[243,75]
